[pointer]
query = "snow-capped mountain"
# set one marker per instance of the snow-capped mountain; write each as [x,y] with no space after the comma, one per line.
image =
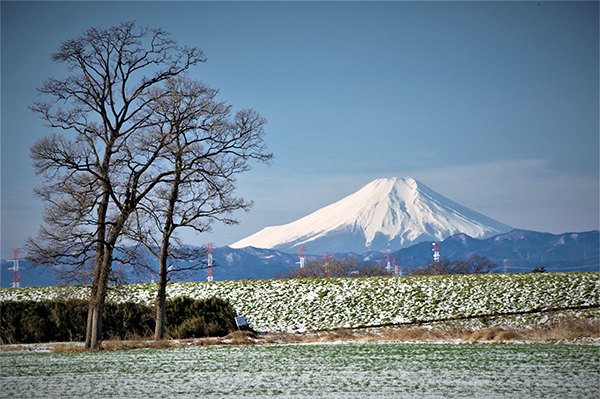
[386,214]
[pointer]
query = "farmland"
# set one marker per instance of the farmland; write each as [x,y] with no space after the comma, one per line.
[301,305]
[308,371]
[364,366]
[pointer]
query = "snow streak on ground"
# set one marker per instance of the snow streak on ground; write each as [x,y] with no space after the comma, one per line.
[309,371]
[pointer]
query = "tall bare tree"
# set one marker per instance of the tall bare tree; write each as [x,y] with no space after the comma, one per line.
[208,147]
[105,168]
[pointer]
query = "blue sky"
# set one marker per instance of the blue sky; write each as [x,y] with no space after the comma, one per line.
[492,104]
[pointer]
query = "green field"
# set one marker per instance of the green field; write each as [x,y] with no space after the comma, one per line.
[308,371]
[300,305]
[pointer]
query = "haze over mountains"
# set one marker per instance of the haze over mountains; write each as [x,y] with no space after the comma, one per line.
[385,215]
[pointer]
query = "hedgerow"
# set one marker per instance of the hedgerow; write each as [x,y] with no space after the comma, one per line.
[61,320]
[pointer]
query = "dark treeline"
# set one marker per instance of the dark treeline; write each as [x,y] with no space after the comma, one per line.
[473,265]
[66,320]
[332,267]
[351,267]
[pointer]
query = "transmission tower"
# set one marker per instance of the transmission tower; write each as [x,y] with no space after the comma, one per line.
[15,260]
[388,259]
[397,267]
[436,252]
[301,256]
[506,263]
[327,256]
[209,272]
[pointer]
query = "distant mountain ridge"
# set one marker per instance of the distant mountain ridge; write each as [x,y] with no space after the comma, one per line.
[524,250]
[384,215]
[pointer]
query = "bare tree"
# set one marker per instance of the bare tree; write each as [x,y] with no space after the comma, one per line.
[474,265]
[332,267]
[208,147]
[106,167]
[444,266]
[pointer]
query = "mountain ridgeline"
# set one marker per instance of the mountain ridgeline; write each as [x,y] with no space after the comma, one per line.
[385,215]
[400,217]
[524,250]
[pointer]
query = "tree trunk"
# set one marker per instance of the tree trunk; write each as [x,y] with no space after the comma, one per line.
[161,294]
[159,330]
[93,299]
[97,304]
[100,251]
[88,331]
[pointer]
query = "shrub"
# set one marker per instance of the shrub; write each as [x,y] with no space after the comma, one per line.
[190,318]
[190,328]
[127,319]
[60,320]
[70,319]
[32,321]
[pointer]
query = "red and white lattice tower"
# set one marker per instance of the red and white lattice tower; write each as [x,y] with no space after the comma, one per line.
[209,273]
[397,267]
[301,256]
[436,252]
[327,256]
[388,260]
[152,278]
[15,260]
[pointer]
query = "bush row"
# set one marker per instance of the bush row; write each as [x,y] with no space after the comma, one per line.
[65,320]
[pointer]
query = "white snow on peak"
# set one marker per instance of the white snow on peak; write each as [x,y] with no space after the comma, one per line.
[386,213]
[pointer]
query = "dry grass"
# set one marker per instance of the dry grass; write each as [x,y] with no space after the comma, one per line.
[568,328]
[565,328]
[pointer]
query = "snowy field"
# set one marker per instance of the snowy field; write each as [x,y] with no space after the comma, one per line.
[309,371]
[301,305]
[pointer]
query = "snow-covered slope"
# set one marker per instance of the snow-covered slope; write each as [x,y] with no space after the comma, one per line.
[386,214]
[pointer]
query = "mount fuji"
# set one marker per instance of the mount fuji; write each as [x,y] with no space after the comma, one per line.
[385,215]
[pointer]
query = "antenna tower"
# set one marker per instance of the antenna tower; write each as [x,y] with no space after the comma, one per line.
[327,256]
[209,273]
[436,252]
[388,259]
[301,256]
[506,262]
[15,260]
[397,267]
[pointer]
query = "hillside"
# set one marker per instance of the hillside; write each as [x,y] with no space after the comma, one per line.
[319,304]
